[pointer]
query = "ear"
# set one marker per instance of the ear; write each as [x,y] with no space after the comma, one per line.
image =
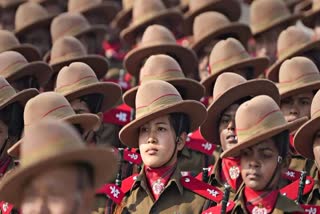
[182,141]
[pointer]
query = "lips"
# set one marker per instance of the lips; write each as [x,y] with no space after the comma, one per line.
[252,175]
[151,151]
[291,118]
[232,138]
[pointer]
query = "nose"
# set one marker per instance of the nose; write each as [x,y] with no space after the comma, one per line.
[253,162]
[294,110]
[152,138]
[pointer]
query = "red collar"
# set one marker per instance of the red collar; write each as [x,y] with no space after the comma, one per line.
[260,201]
[158,178]
[293,150]
[230,172]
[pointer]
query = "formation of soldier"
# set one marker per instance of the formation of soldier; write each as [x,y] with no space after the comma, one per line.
[159,106]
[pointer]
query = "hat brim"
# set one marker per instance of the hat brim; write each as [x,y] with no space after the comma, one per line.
[237,30]
[122,19]
[111,93]
[103,161]
[185,57]
[13,4]
[98,64]
[209,129]
[40,70]
[21,97]
[291,126]
[196,112]
[305,88]
[259,64]
[230,9]
[28,51]
[188,88]
[289,19]
[86,121]
[44,23]
[304,138]
[273,71]
[106,10]
[129,34]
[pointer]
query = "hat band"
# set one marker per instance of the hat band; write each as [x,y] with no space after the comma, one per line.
[67,56]
[59,112]
[300,82]
[12,68]
[159,103]
[84,81]
[284,53]
[83,7]
[223,63]
[166,75]
[269,121]
[6,92]
[261,25]
[38,154]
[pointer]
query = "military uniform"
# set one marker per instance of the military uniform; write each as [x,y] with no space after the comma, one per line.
[175,198]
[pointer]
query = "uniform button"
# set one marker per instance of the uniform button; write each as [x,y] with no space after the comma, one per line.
[187,180]
[308,182]
[284,194]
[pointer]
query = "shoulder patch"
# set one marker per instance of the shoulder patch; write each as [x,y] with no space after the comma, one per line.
[132,156]
[5,207]
[291,190]
[127,183]
[197,143]
[311,209]
[112,191]
[210,192]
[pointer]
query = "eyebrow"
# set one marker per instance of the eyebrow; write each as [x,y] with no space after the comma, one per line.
[161,123]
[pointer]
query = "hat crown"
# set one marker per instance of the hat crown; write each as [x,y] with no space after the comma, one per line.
[197,4]
[7,40]
[127,4]
[264,13]
[225,81]
[10,62]
[154,95]
[315,106]
[28,14]
[145,9]
[46,139]
[160,67]
[257,116]
[225,53]
[47,105]
[75,76]
[82,5]
[68,24]
[157,34]
[67,48]
[209,22]
[6,90]
[7,3]
[292,39]
[296,68]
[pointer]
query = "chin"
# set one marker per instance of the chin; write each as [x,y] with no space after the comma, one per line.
[254,186]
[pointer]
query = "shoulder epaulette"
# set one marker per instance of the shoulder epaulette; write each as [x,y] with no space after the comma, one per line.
[121,115]
[291,175]
[112,191]
[197,143]
[127,183]
[5,207]
[310,209]
[217,209]
[291,190]
[201,188]
[132,156]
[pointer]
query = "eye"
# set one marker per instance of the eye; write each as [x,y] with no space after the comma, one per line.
[143,129]
[245,153]
[305,102]
[162,129]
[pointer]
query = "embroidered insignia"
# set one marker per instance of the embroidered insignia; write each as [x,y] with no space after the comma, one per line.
[122,116]
[207,146]
[290,174]
[213,192]
[114,191]
[234,172]
[311,209]
[259,210]
[157,187]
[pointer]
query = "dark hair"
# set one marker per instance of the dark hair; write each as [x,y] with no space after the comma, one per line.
[180,123]
[281,141]
[12,116]
[314,56]
[94,102]
[85,175]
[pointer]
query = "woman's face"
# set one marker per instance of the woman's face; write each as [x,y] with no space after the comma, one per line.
[258,164]
[157,140]
[228,137]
